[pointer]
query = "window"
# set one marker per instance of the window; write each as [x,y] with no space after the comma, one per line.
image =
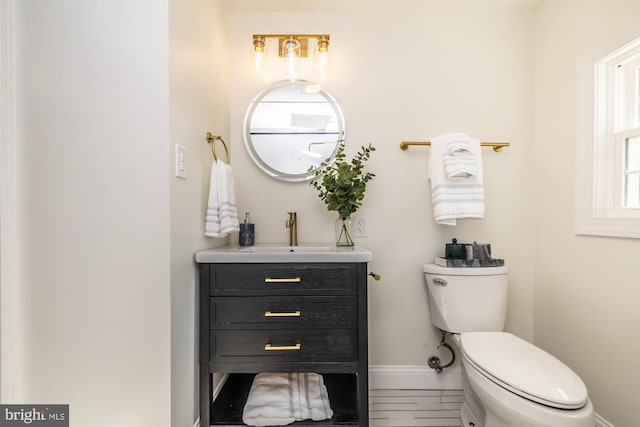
[608,156]
[624,90]
[627,172]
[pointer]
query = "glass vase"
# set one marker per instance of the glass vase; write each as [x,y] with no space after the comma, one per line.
[344,231]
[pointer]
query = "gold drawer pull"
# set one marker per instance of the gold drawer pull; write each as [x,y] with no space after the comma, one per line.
[269,347]
[296,313]
[276,280]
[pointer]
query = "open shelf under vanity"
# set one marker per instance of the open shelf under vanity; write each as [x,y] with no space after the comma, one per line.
[227,408]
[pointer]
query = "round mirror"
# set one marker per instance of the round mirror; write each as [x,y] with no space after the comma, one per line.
[292,126]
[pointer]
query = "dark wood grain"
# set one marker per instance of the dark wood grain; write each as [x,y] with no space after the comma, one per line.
[331,331]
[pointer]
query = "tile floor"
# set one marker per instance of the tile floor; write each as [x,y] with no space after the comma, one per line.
[424,408]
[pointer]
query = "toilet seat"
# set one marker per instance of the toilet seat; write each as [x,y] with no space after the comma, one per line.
[523,369]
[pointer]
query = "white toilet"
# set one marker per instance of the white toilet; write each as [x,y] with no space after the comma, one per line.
[507,381]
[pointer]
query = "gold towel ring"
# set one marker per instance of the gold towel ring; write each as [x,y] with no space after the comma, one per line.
[211,139]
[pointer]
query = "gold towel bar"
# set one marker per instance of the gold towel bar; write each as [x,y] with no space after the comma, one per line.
[211,139]
[497,146]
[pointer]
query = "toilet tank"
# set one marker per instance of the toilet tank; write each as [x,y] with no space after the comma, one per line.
[467,299]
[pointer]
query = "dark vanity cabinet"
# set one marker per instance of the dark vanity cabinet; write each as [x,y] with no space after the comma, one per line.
[283,317]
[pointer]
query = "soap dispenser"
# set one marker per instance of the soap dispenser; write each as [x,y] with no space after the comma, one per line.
[247,232]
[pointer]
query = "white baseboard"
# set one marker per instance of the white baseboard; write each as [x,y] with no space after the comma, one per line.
[413,378]
[408,377]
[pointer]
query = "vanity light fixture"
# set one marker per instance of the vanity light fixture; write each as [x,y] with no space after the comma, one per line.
[292,49]
[260,54]
[321,59]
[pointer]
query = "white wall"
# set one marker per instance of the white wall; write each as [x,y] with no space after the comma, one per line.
[586,288]
[199,97]
[408,71]
[106,233]
[92,128]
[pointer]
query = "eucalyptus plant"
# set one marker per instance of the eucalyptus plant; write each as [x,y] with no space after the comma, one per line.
[341,184]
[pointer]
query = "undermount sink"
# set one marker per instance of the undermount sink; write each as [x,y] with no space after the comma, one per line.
[312,252]
[280,249]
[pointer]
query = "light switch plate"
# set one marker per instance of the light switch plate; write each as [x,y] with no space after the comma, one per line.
[181,162]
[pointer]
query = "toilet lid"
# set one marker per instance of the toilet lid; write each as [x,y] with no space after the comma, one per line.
[524,369]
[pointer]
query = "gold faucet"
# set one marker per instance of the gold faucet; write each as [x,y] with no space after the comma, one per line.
[292,225]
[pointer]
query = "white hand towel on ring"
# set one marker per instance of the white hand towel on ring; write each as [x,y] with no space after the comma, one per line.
[222,214]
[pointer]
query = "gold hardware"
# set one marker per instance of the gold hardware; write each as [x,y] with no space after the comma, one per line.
[292,44]
[292,225]
[258,43]
[282,280]
[323,43]
[374,275]
[269,347]
[297,42]
[292,49]
[497,146]
[211,139]
[296,313]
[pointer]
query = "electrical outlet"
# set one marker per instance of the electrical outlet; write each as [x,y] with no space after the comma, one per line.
[361,227]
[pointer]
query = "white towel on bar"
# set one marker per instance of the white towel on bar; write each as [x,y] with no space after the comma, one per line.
[459,145]
[222,214]
[460,165]
[282,398]
[460,162]
[456,197]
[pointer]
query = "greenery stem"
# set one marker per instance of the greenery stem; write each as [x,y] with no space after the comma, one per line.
[341,184]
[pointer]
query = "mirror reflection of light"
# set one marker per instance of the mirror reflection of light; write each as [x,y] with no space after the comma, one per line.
[311,88]
[310,153]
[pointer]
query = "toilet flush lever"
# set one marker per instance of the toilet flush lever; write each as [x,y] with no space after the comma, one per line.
[439,281]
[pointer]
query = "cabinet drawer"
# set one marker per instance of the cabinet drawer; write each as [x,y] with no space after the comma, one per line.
[290,345]
[282,311]
[255,279]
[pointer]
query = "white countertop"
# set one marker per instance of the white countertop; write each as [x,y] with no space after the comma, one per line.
[275,252]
